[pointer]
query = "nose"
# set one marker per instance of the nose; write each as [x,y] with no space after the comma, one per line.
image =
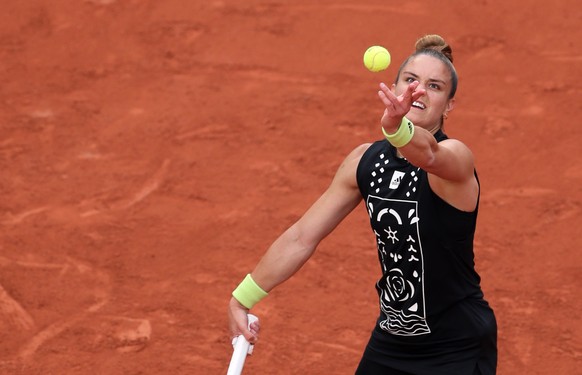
[421,86]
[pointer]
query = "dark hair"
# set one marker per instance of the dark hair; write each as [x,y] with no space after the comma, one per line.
[435,46]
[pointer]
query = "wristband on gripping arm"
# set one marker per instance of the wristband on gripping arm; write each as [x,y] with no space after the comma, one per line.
[403,135]
[248,293]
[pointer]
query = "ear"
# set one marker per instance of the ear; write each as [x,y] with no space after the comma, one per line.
[450,105]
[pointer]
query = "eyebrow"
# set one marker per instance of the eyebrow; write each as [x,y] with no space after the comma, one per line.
[430,79]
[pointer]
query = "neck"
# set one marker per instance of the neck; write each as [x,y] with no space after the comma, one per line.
[435,129]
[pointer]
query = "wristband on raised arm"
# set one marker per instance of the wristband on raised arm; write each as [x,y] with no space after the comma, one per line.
[403,135]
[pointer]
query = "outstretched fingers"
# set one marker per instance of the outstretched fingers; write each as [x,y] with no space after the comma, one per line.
[387,96]
[408,95]
[400,105]
[416,95]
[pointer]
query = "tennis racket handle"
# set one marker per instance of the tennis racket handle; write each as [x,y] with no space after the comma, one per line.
[241,350]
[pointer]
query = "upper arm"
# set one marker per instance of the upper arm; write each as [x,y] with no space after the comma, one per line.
[452,161]
[340,198]
[452,175]
[450,167]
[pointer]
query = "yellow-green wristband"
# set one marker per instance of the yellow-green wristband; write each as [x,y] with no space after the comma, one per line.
[403,135]
[248,293]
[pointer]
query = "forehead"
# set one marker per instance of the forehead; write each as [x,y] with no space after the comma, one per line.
[428,67]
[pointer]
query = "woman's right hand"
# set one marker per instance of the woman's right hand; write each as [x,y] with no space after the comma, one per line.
[239,322]
[397,106]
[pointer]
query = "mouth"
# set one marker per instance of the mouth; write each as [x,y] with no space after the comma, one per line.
[419,105]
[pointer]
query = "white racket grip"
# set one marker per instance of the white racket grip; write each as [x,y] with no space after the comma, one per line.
[241,349]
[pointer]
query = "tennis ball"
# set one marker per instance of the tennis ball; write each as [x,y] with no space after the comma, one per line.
[376,58]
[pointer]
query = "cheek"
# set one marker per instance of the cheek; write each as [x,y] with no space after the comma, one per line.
[439,102]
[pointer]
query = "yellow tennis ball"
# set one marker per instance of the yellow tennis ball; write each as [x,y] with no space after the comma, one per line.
[376,58]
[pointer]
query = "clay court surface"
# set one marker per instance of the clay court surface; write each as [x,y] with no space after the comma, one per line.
[151,151]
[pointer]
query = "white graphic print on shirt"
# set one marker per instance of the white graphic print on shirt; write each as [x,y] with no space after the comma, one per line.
[402,286]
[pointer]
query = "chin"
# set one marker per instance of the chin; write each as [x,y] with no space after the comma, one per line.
[415,118]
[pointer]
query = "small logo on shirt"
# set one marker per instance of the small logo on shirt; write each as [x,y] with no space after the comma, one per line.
[396,178]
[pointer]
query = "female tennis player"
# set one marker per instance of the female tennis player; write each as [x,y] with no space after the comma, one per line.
[421,191]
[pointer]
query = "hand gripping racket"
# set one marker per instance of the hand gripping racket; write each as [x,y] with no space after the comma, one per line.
[242,348]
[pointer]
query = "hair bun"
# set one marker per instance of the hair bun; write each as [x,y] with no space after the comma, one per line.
[436,43]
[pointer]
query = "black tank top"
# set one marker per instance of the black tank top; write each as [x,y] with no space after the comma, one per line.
[425,248]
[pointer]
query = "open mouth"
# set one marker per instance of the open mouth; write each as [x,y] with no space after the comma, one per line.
[419,105]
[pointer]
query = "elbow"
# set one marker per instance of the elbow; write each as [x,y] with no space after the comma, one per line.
[429,161]
[423,155]
[426,160]
[300,241]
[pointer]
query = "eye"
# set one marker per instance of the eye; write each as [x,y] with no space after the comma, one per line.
[409,79]
[434,86]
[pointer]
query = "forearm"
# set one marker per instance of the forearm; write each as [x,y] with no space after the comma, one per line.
[285,256]
[422,149]
[283,259]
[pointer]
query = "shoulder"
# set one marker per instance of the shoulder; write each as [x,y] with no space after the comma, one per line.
[455,145]
[356,154]
[359,151]
[347,170]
